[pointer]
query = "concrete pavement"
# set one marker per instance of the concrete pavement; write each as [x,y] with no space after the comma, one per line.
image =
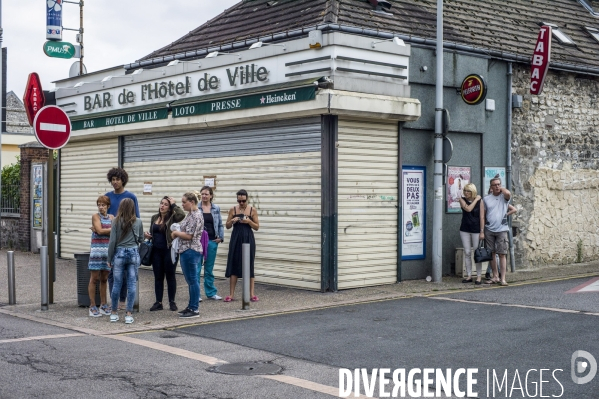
[65,311]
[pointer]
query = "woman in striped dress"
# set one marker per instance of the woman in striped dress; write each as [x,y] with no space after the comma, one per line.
[98,257]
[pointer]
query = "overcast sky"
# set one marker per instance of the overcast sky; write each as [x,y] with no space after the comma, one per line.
[115,33]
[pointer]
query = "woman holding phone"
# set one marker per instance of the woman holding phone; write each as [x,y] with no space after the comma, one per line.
[243,218]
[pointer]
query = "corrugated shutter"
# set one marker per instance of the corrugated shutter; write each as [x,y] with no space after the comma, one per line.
[298,135]
[367,203]
[284,187]
[83,168]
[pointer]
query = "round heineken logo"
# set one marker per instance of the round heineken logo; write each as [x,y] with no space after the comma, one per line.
[474,89]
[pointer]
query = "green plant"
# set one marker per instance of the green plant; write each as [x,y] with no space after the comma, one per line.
[11,182]
[579,252]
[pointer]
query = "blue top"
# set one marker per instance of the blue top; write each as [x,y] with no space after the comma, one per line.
[115,201]
[219,230]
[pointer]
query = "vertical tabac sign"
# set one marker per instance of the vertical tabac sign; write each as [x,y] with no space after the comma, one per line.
[540,60]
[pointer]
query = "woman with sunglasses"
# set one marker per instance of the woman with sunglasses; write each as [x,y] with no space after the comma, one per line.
[243,218]
[470,229]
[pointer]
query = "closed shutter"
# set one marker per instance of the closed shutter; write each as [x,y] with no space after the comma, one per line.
[367,203]
[83,168]
[279,166]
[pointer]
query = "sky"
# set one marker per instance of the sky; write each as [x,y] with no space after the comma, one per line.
[116,32]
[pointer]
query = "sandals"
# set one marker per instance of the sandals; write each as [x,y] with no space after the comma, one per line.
[492,282]
[254,299]
[228,299]
[94,312]
[504,284]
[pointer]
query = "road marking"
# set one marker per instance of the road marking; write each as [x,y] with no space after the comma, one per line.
[514,306]
[53,127]
[312,386]
[589,286]
[40,337]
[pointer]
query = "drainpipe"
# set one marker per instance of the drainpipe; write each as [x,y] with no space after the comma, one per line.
[508,168]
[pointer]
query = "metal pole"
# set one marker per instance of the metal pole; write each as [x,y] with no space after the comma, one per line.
[438,172]
[51,227]
[10,262]
[245,272]
[81,36]
[508,166]
[44,275]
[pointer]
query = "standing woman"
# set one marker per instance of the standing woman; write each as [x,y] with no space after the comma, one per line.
[470,229]
[213,224]
[190,250]
[98,256]
[162,264]
[243,219]
[123,253]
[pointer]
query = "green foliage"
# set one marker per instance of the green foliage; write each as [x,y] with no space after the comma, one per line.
[11,182]
[579,252]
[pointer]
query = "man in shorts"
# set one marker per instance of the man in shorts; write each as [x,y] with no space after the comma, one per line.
[495,232]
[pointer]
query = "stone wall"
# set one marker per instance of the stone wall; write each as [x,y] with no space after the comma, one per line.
[555,155]
[9,232]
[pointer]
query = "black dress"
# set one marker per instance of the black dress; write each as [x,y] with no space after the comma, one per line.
[242,234]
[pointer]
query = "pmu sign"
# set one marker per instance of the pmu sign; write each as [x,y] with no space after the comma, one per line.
[52,127]
[33,99]
[540,60]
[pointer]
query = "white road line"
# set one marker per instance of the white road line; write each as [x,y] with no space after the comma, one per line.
[53,127]
[40,337]
[313,386]
[514,305]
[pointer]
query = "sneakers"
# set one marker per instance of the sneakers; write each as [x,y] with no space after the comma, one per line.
[94,312]
[188,314]
[114,318]
[200,299]
[129,319]
[215,297]
[182,311]
[105,310]
[156,306]
[173,306]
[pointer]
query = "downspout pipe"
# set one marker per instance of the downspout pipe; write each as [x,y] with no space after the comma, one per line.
[508,161]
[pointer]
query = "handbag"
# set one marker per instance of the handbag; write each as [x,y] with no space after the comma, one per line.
[145,252]
[482,254]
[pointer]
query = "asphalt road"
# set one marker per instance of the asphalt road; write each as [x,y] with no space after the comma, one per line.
[508,331]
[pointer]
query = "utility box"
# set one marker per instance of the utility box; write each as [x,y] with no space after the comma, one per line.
[83,276]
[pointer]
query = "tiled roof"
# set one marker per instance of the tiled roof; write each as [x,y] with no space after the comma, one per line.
[497,26]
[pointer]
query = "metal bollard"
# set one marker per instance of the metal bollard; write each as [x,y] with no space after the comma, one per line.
[245,272]
[10,262]
[136,302]
[45,276]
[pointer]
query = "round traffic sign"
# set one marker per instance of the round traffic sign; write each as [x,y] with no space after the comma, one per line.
[52,127]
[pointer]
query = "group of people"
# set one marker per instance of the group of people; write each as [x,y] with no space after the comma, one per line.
[190,238]
[486,219]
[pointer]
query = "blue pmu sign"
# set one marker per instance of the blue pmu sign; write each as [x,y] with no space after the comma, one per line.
[54,19]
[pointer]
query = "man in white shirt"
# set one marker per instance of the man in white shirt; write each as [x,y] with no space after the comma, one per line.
[495,232]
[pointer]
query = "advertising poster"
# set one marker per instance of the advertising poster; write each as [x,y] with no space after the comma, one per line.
[414,212]
[457,178]
[491,172]
[37,194]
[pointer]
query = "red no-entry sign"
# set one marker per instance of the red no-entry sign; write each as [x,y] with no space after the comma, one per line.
[52,127]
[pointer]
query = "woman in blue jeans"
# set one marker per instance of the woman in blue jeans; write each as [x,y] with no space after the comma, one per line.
[190,251]
[213,224]
[123,256]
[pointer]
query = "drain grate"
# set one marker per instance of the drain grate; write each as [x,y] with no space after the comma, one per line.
[250,368]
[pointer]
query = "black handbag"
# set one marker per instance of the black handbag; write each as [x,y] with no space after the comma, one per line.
[482,254]
[145,253]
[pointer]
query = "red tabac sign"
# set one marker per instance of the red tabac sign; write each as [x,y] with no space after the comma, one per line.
[474,89]
[540,60]
[33,99]
[52,127]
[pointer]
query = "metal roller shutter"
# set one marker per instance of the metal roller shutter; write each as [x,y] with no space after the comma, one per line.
[367,203]
[279,166]
[83,168]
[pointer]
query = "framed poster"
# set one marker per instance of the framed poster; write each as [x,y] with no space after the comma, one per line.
[413,237]
[37,195]
[491,172]
[457,178]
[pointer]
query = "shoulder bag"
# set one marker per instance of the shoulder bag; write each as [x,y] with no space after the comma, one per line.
[482,254]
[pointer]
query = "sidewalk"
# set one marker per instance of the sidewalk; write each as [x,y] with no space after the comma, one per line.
[273,299]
